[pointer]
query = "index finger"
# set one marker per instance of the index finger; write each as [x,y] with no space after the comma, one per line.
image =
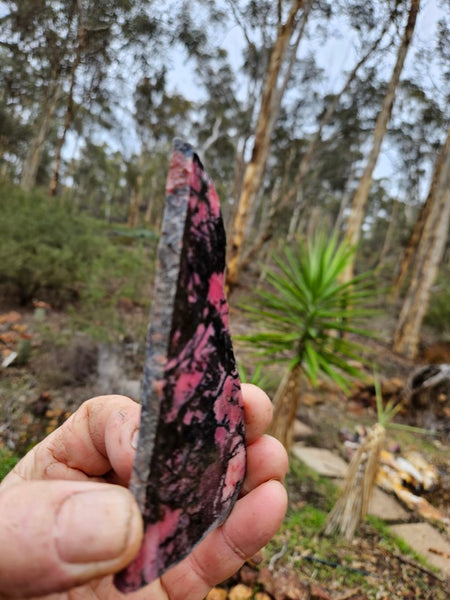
[101,436]
[98,438]
[258,411]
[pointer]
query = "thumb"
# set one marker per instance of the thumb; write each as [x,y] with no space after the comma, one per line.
[55,535]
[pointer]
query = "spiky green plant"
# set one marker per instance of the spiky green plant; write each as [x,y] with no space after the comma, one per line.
[386,412]
[305,318]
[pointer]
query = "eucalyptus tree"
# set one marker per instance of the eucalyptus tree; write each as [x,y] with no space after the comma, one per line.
[356,217]
[221,126]
[71,58]
[98,182]
[372,27]
[60,51]
[418,138]
[416,132]
[428,256]
[34,37]
[326,186]
[159,116]
[283,25]
[93,34]
[288,20]
[14,129]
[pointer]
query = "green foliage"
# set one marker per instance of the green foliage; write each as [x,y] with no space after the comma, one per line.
[386,412]
[299,544]
[259,377]
[101,189]
[45,251]
[114,273]
[309,519]
[8,460]
[120,275]
[395,543]
[438,315]
[48,253]
[307,313]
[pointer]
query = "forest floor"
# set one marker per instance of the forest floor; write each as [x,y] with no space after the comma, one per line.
[59,365]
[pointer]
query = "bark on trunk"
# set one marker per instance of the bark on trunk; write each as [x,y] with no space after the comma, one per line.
[388,237]
[296,212]
[267,227]
[345,200]
[419,225]
[54,182]
[355,220]
[286,402]
[41,131]
[254,171]
[426,265]
[265,232]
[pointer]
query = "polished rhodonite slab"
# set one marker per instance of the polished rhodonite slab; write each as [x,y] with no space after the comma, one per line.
[190,461]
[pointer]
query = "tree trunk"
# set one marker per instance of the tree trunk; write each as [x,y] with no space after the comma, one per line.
[286,402]
[41,131]
[344,202]
[360,198]
[254,171]
[133,215]
[388,237]
[295,217]
[428,258]
[151,196]
[419,225]
[54,182]
[265,231]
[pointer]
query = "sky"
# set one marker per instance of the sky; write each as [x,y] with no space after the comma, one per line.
[335,56]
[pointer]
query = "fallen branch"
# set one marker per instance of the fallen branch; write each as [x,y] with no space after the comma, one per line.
[348,594]
[439,552]
[336,565]
[277,556]
[419,567]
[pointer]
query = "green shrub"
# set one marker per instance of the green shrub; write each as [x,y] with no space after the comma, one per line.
[438,315]
[120,276]
[7,462]
[45,250]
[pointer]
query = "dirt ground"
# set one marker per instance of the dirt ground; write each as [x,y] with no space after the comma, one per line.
[56,369]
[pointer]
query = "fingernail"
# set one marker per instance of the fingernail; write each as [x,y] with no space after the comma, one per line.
[135,439]
[97,525]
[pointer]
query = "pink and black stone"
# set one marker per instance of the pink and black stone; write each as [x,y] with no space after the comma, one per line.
[190,461]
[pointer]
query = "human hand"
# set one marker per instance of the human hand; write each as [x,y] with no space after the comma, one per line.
[67,521]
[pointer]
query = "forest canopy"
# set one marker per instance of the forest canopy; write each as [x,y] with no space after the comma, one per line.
[304,112]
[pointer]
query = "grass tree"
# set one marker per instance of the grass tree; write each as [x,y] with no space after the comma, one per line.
[352,504]
[303,317]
